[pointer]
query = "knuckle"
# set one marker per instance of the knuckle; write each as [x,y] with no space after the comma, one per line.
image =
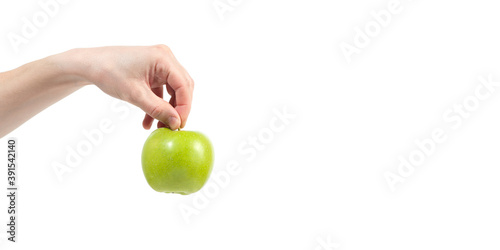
[163,47]
[190,82]
[155,111]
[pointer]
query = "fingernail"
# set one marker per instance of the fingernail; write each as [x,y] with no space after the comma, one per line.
[172,122]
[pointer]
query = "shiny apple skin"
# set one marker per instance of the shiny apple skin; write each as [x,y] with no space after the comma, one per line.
[177,161]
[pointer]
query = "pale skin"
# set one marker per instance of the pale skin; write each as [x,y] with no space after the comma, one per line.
[133,74]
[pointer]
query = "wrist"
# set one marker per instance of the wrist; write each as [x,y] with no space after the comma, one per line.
[70,67]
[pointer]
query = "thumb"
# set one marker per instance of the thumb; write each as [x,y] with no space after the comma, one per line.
[159,109]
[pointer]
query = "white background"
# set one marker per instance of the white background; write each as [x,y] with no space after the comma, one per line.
[319,180]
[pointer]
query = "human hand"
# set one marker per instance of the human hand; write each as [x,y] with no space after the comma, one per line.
[137,75]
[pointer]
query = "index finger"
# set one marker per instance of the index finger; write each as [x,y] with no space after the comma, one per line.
[182,85]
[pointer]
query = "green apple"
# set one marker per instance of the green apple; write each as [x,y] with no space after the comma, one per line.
[177,161]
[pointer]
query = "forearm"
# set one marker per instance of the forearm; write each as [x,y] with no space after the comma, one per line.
[29,89]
